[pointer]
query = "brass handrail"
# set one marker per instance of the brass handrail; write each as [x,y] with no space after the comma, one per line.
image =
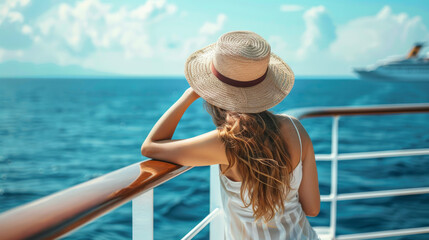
[62,212]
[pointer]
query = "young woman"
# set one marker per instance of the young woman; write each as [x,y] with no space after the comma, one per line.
[269,180]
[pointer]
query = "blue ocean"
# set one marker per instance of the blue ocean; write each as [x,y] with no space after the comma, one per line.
[56,133]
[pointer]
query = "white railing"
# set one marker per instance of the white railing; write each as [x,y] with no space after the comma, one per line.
[334,157]
[216,228]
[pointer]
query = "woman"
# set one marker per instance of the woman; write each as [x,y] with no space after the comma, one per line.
[268,172]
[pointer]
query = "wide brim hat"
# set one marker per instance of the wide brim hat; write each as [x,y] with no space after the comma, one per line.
[239,73]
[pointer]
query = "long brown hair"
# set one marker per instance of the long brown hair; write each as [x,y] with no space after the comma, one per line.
[253,142]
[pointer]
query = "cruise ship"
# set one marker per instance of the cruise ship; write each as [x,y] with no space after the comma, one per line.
[410,68]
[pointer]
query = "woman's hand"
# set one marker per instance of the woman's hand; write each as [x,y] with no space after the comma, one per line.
[190,93]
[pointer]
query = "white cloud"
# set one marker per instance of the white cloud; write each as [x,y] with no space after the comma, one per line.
[26,30]
[291,8]
[99,36]
[210,28]
[171,51]
[319,32]
[182,48]
[207,33]
[331,49]
[6,54]
[152,7]
[366,39]
[15,17]
[96,35]
[277,44]
[93,24]
[9,10]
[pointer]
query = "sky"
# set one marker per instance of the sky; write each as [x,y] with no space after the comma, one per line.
[155,37]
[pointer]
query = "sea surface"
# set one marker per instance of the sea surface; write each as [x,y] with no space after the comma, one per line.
[56,133]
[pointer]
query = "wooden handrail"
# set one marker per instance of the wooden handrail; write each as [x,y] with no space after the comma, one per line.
[57,214]
[301,113]
[62,212]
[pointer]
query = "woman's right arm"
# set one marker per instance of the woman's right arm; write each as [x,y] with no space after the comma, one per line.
[309,195]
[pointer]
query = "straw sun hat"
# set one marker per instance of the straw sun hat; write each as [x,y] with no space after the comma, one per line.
[239,73]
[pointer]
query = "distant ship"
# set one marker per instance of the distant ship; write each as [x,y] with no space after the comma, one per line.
[410,68]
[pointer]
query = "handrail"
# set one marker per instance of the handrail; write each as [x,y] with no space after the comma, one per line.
[47,218]
[302,113]
[60,213]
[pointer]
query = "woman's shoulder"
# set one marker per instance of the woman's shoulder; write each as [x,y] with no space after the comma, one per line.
[307,145]
[288,121]
[289,124]
[284,116]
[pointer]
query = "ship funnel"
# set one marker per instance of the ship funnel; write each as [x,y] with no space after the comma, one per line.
[415,50]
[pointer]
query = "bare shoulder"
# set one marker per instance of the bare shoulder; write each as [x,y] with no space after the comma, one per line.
[285,121]
[287,126]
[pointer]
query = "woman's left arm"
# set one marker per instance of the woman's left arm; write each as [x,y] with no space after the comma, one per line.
[202,150]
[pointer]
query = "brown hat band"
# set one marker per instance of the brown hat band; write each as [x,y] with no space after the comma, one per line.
[236,83]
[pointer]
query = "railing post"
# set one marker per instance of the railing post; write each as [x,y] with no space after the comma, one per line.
[334,176]
[216,225]
[143,216]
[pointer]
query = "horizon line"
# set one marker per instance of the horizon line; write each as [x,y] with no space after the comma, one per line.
[152,77]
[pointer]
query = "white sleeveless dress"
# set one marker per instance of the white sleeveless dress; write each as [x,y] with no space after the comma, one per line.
[240,223]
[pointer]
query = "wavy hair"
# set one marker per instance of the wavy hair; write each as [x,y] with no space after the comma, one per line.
[254,144]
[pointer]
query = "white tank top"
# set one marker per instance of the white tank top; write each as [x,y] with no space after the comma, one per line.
[240,223]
